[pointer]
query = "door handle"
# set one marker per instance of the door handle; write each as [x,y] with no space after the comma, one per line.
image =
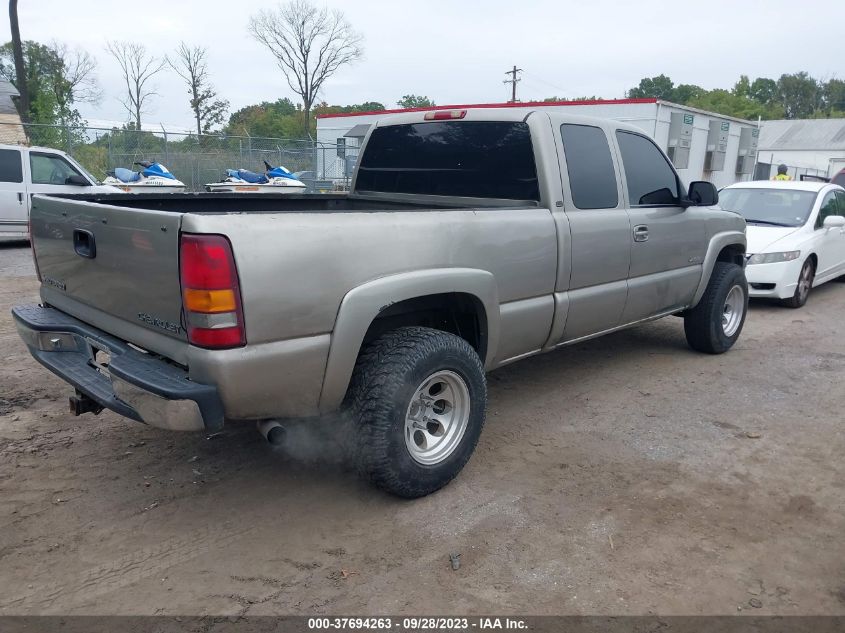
[83,243]
[641,233]
[20,197]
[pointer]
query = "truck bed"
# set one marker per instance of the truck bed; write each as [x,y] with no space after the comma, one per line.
[251,203]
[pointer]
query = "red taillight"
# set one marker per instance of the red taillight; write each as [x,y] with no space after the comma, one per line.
[210,290]
[445,115]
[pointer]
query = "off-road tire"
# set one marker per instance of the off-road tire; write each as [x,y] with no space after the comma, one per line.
[703,323]
[800,296]
[387,374]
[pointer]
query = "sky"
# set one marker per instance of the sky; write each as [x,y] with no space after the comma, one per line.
[458,51]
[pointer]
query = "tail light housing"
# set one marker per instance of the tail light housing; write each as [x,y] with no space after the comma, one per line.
[211,293]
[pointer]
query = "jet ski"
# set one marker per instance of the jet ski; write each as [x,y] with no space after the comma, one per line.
[273,180]
[152,176]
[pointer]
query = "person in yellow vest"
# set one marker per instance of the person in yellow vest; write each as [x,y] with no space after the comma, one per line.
[782,175]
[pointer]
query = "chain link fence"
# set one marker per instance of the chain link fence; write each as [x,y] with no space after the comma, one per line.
[193,159]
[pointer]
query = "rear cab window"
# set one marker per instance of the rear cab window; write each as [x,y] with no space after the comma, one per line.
[650,178]
[592,177]
[470,159]
[11,166]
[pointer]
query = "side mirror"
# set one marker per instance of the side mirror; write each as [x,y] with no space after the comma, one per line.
[702,194]
[77,180]
[833,222]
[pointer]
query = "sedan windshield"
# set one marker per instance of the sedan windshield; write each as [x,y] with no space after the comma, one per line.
[771,207]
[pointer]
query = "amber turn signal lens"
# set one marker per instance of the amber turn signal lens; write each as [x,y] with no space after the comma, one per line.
[209,301]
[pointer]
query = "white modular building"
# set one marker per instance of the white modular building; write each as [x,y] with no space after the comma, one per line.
[805,146]
[702,145]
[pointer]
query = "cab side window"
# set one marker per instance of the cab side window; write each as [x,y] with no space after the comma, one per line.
[829,207]
[592,178]
[840,202]
[50,170]
[650,178]
[11,168]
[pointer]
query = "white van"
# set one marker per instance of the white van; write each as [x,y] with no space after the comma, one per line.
[28,170]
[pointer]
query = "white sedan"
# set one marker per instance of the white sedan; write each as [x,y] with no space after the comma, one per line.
[796,236]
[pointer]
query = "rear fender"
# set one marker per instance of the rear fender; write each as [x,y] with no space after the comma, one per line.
[363,304]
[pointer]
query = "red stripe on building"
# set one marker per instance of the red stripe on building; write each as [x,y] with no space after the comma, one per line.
[528,104]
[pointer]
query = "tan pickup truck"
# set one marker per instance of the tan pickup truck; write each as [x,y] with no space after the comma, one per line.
[470,239]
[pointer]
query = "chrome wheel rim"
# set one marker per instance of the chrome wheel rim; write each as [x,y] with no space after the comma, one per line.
[805,282]
[732,310]
[437,417]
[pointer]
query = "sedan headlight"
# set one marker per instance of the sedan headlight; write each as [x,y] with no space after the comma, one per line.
[773,258]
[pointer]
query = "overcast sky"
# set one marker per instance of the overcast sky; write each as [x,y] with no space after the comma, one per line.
[458,51]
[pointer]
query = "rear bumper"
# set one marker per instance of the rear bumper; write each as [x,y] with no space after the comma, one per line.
[134,384]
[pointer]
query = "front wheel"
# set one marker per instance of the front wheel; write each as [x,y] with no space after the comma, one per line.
[417,399]
[714,325]
[805,284]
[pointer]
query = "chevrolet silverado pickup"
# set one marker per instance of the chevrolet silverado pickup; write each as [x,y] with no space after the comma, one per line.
[470,239]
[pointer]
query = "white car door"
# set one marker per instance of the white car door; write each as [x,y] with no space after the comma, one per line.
[840,203]
[13,206]
[49,173]
[830,243]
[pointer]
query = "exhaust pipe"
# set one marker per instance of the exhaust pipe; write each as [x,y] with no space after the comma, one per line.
[273,432]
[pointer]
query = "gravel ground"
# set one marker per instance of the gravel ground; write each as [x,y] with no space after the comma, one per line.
[626,475]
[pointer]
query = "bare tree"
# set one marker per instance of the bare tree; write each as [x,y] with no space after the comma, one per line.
[73,79]
[17,52]
[310,44]
[190,64]
[138,69]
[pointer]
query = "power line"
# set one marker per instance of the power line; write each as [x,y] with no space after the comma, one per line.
[513,81]
[548,83]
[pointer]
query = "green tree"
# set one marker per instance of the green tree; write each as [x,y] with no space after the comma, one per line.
[800,94]
[415,101]
[18,59]
[561,99]
[56,79]
[684,93]
[367,106]
[834,96]
[764,91]
[277,119]
[731,104]
[660,87]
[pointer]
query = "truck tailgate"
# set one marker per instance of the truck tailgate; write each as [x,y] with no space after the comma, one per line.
[100,263]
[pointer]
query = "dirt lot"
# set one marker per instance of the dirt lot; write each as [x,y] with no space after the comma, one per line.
[627,475]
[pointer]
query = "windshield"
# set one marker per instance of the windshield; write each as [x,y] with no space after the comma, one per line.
[775,207]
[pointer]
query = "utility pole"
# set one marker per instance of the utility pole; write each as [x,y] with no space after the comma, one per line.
[513,81]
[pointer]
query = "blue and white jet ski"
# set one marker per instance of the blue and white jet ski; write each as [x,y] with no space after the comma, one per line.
[153,176]
[273,180]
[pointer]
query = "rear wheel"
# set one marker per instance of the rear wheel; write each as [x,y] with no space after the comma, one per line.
[714,325]
[417,399]
[805,284]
